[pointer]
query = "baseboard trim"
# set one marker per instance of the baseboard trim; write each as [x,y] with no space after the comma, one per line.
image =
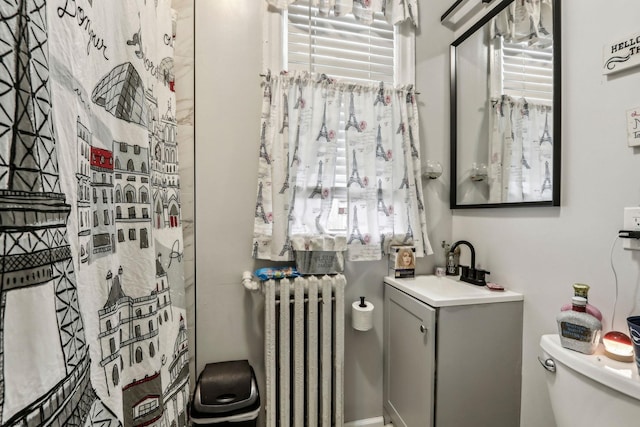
[369,422]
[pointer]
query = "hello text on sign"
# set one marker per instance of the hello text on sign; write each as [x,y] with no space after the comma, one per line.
[622,54]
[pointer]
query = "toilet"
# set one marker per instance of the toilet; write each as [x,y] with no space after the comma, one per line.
[589,390]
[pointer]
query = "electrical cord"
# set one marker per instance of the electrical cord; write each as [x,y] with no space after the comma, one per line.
[615,276]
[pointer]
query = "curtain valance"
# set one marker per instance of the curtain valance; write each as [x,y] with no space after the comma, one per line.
[395,11]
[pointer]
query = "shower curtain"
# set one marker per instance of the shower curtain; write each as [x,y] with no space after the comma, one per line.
[92,310]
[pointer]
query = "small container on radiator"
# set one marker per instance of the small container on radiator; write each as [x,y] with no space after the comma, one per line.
[319,262]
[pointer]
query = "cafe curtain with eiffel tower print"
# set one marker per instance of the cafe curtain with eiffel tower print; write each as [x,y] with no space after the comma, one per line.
[92,310]
[520,151]
[338,169]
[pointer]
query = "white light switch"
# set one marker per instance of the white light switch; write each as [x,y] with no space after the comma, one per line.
[631,223]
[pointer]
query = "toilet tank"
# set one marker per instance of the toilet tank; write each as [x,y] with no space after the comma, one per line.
[589,390]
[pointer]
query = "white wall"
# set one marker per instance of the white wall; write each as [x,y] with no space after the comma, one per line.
[228,95]
[540,252]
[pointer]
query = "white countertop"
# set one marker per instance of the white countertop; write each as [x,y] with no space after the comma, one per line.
[446,291]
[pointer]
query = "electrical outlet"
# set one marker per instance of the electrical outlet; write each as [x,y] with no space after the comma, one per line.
[631,223]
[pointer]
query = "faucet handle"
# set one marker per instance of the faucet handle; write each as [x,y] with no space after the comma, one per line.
[480,275]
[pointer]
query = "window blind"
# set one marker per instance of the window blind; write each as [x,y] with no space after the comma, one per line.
[527,72]
[339,47]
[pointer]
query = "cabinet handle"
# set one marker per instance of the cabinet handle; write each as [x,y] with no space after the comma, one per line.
[423,329]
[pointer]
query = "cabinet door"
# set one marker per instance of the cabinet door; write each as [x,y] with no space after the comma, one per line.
[409,359]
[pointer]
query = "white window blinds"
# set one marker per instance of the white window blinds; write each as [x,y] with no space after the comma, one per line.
[527,72]
[339,47]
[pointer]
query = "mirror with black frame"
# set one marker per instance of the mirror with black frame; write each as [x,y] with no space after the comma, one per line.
[505,108]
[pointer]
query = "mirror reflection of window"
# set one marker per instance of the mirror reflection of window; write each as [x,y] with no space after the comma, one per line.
[521,99]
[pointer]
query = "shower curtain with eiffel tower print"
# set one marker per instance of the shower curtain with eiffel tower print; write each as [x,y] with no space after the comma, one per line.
[92,310]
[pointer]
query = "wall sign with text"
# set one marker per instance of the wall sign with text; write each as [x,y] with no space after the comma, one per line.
[633,127]
[622,54]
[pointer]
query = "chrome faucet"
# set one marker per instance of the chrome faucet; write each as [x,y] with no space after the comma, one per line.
[470,274]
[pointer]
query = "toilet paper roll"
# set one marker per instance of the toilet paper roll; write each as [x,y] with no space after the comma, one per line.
[362,317]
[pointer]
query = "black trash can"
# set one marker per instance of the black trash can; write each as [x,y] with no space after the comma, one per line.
[226,395]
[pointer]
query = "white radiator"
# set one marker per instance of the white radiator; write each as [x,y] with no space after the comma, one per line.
[304,351]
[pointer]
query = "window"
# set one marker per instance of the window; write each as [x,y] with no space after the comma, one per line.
[340,47]
[522,68]
[132,234]
[138,355]
[120,234]
[144,238]
[526,72]
[343,47]
[115,375]
[130,195]
[144,408]
[106,216]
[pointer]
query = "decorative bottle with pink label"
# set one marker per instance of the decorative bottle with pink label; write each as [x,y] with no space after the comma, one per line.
[579,330]
[582,290]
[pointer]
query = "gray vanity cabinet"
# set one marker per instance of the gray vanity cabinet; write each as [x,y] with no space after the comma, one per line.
[409,352]
[452,365]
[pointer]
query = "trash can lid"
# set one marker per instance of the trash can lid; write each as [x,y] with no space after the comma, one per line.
[225,382]
[225,388]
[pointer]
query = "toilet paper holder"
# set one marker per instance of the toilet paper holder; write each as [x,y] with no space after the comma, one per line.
[362,315]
